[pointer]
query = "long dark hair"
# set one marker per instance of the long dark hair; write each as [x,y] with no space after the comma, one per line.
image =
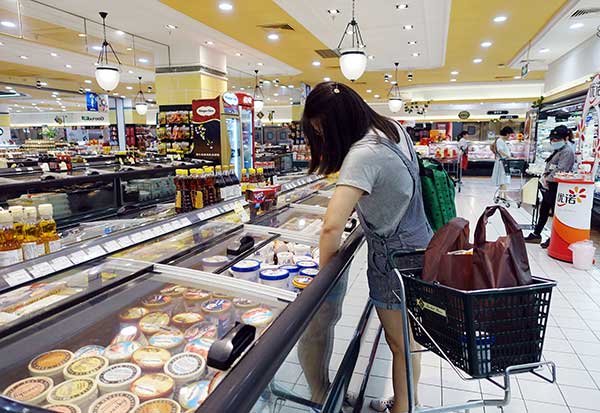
[334,118]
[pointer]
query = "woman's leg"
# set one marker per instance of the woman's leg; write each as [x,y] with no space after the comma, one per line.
[391,321]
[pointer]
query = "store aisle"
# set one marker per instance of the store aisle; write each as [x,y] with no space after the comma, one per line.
[573,339]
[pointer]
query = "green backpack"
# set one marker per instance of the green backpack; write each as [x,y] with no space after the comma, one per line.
[438,193]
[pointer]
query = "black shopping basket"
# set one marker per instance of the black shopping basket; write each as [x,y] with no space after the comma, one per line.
[481,332]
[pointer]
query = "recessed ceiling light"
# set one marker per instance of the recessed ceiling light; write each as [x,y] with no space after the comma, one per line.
[275,94]
[123,96]
[574,26]
[34,104]
[454,72]
[316,63]
[371,57]
[412,42]
[24,57]
[238,54]
[242,88]
[408,27]
[273,36]
[453,80]
[68,66]
[500,19]
[43,84]
[376,96]
[129,49]
[369,90]
[115,94]
[517,77]
[260,64]
[333,12]
[225,6]
[402,6]
[87,89]
[416,54]
[209,42]
[89,82]
[8,87]
[130,72]
[58,99]
[55,93]
[486,44]
[327,79]
[266,81]
[8,24]
[53,54]
[171,26]
[544,50]
[82,35]
[143,60]
[291,86]
[119,32]
[477,60]
[1,44]
[129,88]
[97,48]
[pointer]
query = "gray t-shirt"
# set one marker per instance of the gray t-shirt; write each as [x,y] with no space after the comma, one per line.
[383,176]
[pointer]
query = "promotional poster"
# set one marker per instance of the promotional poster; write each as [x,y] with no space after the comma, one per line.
[206,123]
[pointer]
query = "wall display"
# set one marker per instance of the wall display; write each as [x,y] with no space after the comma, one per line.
[174,130]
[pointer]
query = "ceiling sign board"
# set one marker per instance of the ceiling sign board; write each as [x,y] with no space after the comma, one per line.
[509,117]
[464,115]
[497,112]
[524,70]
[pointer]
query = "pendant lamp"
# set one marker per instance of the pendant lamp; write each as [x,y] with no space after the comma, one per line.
[259,97]
[353,60]
[394,98]
[141,107]
[107,75]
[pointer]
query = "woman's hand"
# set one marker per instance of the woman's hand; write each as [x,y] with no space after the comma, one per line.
[338,211]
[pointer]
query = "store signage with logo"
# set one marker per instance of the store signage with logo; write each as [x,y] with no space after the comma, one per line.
[592,102]
[463,114]
[524,70]
[91,101]
[59,119]
[497,112]
[231,99]
[206,111]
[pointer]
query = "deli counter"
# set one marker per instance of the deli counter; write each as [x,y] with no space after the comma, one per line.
[173,313]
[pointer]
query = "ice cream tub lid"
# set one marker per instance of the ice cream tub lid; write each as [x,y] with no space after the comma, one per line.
[215,259]
[187,318]
[246,266]
[309,272]
[151,357]
[193,395]
[119,374]
[215,381]
[302,281]
[307,264]
[73,390]
[63,408]
[173,291]
[216,305]
[241,302]
[152,322]
[167,338]
[199,346]
[29,389]
[120,351]
[203,329]
[196,295]
[153,385]
[91,350]
[290,268]
[274,275]
[222,295]
[133,314]
[85,366]
[159,406]
[50,361]
[115,402]
[258,317]
[157,300]
[185,365]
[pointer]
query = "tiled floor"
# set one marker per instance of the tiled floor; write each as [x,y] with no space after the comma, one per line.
[573,339]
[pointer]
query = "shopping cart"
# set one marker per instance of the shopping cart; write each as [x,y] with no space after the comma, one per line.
[515,168]
[483,334]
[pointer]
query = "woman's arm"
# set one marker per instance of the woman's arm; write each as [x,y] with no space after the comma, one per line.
[338,211]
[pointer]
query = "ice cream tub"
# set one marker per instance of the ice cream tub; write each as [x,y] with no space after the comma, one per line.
[309,272]
[153,322]
[131,316]
[162,405]
[170,338]
[118,377]
[80,392]
[186,320]
[275,278]
[151,358]
[158,302]
[259,317]
[62,408]
[121,352]
[153,386]
[304,264]
[88,366]
[204,329]
[193,395]
[32,390]
[246,270]
[51,364]
[219,312]
[193,299]
[199,346]
[242,305]
[91,350]
[184,368]
[212,264]
[115,402]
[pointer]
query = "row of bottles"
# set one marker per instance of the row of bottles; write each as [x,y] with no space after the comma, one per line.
[23,236]
[56,162]
[256,178]
[203,187]
[269,171]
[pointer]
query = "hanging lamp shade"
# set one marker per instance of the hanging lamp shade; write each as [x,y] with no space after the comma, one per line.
[141,107]
[353,63]
[395,104]
[259,98]
[394,98]
[107,75]
[258,105]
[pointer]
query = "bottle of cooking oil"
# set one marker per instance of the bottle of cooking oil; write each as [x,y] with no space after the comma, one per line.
[48,235]
[31,234]
[10,252]
[17,215]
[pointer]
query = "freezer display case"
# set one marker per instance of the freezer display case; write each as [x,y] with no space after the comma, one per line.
[150,342]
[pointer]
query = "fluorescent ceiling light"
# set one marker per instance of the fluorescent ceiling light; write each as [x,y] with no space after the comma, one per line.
[97,48]
[453,80]
[68,66]
[43,84]
[517,77]
[260,64]
[171,26]
[24,57]
[8,24]
[316,63]
[486,44]
[82,35]
[89,82]
[119,32]
[401,6]
[369,90]
[225,6]
[477,60]
[209,42]
[371,57]
[143,60]
[238,54]
[291,86]
[53,54]
[327,79]
[273,36]
[376,96]
[129,88]
[130,72]
[416,54]
[412,42]
[454,72]
[500,19]
[87,89]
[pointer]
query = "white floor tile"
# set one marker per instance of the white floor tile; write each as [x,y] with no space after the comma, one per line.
[581,398]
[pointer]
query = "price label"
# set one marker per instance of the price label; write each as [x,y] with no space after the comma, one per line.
[125,242]
[95,251]
[18,169]
[177,224]
[30,169]
[17,277]
[61,263]
[168,227]
[45,167]
[112,246]
[78,257]
[185,222]
[137,237]
[157,232]
[241,212]
[39,270]
[201,216]
[147,234]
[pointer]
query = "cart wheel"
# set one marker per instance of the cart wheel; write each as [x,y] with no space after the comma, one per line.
[507,204]
[518,205]
[496,200]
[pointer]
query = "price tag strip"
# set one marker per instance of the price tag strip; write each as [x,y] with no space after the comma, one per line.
[41,269]
[60,263]
[17,277]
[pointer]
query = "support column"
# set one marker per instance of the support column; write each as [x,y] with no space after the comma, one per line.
[4,125]
[119,107]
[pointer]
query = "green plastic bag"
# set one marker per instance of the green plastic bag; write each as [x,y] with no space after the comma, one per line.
[438,193]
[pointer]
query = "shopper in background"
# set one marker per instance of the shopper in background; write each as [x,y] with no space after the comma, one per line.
[562,159]
[379,176]
[463,145]
[501,151]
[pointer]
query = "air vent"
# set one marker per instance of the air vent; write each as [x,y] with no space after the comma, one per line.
[585,12]
[282,26]
[328,53]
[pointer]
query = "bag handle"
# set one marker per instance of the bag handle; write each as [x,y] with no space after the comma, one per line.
[510,224]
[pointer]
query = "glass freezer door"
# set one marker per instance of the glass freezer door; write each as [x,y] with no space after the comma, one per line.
[232,126]
[247,137]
